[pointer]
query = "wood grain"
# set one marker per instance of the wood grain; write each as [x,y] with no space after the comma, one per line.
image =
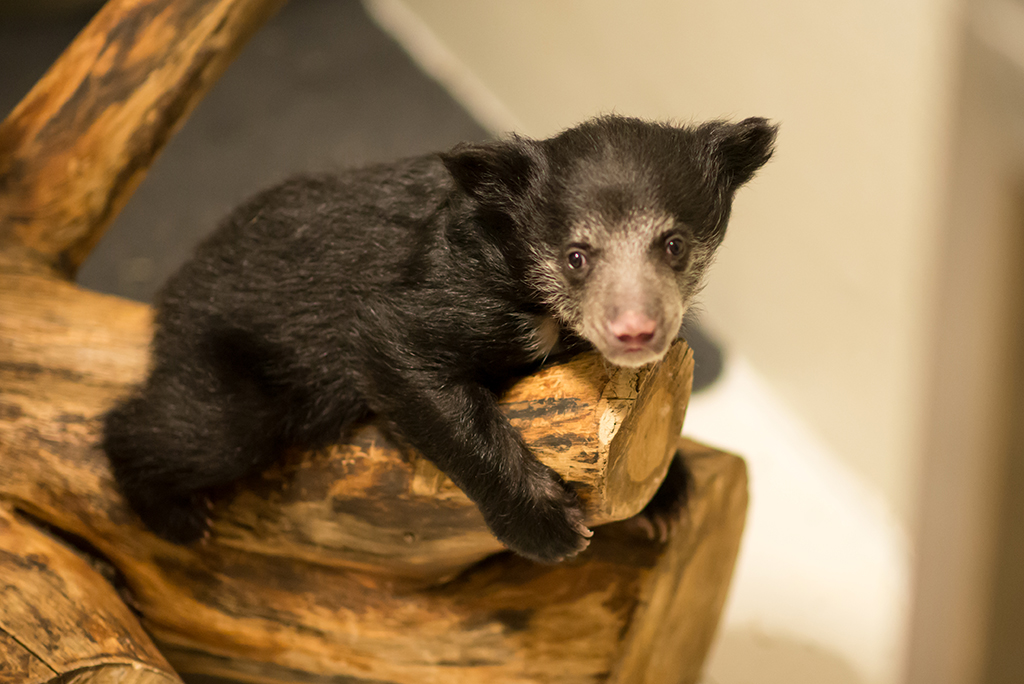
[679,607]
[628,610]
[60,618]
[18,664]
[368,505]
[78,144]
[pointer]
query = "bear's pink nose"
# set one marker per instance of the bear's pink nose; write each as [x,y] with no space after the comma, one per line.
[632,328]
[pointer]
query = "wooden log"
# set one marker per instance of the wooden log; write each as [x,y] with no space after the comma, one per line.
[78,144]
[66,354]
[62,621]
[365,504]
[630,610]
[283,605]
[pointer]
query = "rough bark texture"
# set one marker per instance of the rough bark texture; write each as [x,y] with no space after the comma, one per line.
[77,145]
[59,617]
[630,610]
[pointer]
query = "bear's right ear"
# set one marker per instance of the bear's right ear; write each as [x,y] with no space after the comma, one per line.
[494,174]
[742,148]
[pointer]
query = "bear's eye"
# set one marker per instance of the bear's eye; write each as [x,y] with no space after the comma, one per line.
[576,259]
[675,245]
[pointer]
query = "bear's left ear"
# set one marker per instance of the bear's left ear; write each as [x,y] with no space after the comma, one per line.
[742,148]
[495,173]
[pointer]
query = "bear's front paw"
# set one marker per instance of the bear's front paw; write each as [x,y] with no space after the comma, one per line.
[546,525]
[660,518]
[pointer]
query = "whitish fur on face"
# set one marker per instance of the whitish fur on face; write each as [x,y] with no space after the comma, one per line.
[624,286]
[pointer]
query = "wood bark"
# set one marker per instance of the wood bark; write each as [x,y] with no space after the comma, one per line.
[59,618]
[78,144]
[629,610]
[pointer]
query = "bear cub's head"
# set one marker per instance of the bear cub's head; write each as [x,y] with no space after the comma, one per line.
[612,224]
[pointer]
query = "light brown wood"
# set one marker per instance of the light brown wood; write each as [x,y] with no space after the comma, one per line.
[681,602]
[19,664]
[367,505]
[629,610]
[77,145]
[59,617]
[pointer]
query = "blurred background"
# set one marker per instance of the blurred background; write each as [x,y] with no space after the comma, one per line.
[867,298]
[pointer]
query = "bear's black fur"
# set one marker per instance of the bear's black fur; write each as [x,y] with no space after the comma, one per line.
[416,291]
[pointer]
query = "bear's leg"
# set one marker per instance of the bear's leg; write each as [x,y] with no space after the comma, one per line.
[460,428]
[188,431]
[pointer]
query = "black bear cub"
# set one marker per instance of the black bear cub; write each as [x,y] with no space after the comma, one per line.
[416,291]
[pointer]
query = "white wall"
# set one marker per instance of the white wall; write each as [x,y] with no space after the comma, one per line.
[822,280]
